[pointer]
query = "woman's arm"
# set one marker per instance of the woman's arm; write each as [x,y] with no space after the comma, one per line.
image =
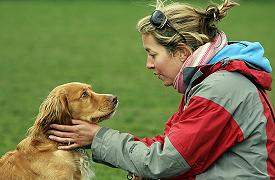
[121,150]
[149,157]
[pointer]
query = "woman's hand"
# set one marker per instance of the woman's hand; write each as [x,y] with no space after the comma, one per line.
[80,134]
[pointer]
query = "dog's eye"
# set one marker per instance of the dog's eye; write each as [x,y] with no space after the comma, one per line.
[84,94]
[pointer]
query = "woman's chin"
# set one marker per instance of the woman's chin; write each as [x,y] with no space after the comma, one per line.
[167,83]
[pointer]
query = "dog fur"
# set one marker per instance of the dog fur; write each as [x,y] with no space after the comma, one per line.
[36,157]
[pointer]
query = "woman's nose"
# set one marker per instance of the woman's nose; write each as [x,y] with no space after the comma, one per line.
[150,63]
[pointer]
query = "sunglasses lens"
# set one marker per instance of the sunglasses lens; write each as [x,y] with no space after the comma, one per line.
[158,19]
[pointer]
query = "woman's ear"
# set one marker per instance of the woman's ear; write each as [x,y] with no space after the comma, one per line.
[54,110]
[182,53]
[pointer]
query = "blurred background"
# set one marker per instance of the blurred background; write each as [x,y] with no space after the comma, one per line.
[45,43]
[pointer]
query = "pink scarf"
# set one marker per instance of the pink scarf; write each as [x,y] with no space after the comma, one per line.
[200,57]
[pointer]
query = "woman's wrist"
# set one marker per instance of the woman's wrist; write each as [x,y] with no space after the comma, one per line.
[94,130]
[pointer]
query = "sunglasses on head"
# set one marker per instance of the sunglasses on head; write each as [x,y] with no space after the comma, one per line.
[159,20]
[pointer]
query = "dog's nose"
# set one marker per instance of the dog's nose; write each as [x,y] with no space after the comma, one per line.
[114,99]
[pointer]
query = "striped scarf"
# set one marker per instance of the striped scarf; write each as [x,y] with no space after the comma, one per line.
[200,57]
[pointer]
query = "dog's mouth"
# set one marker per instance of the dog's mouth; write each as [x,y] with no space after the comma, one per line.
[105,116]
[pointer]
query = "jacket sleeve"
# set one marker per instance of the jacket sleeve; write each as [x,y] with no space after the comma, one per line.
[200,134]
[121,150]
[160,138]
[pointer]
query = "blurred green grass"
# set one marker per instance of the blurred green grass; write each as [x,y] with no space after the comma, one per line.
[47,43]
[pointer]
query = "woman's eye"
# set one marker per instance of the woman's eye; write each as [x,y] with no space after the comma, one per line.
[152,55]
[85,94]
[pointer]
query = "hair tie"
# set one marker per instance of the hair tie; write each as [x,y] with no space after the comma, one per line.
[212,12]
[214,16]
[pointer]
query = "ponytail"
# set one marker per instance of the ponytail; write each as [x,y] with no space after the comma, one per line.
[211,15]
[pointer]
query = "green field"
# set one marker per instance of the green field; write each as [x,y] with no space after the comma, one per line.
[47,43]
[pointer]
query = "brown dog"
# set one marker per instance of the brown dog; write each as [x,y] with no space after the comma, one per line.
[36,157]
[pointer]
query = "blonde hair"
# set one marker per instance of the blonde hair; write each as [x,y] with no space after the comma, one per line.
[197,25]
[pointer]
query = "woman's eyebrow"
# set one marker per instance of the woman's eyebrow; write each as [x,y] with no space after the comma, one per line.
[149,50]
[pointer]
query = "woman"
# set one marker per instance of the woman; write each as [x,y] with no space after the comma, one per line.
[224,127]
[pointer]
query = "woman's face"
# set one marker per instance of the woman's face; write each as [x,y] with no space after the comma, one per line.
[165,65]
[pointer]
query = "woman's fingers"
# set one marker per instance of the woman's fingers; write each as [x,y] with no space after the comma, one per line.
[67,141]
[79,134]
[63,127]
[75,121]
[72,146]
[61,134]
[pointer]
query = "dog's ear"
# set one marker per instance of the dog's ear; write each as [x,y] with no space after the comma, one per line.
[54,110]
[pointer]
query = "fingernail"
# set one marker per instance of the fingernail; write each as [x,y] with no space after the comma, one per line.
[50,137]
[60,148]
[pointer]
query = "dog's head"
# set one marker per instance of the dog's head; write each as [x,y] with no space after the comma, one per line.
[75,101]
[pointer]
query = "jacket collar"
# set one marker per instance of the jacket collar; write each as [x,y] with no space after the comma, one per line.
[195,75]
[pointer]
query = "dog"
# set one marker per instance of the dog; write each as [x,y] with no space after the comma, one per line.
[36,157]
